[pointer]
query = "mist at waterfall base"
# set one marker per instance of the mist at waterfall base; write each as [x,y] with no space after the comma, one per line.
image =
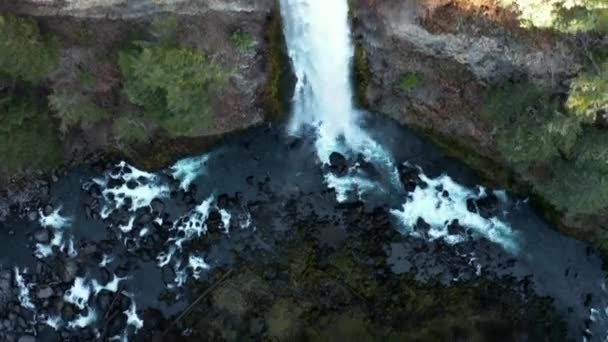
[127,244]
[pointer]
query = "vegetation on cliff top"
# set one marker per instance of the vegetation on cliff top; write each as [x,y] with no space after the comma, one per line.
[173,85]
[559,151]
[25,54]
[563,15]
[26,58]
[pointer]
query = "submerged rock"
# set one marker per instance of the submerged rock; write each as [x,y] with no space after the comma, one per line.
[338,164]
[488,205]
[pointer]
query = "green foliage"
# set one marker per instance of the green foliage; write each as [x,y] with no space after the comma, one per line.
[27,138]
[172,84]
[562,15]
[362,75]
[530,128]
[24,53]
[408,81]
[574,189]
[591,151]
[76,110]
[589,94]
[242,40]
[128,129]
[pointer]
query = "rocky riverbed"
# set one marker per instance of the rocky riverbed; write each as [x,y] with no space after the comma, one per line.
[212,249]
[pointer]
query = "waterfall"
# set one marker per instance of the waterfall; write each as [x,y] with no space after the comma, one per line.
[319,45]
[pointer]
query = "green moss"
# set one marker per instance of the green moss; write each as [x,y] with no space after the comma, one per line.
[362,75]
[354,275]
[408,81]
[242,40]
[530,126]
[278,69]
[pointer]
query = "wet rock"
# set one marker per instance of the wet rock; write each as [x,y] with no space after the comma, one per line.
[157,205]
[132,184]
[42,236]
[48,210]
[115,183]
[168,275]
[455,228]
[409,176]
[44,292]
[368,168]
[67,313]
[471,207]
[338,164]
[488,206]
[70,268]
[422,227]
[32,216]
[95,191]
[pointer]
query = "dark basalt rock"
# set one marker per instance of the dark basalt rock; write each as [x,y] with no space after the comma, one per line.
[409,176]
[488,205]
[471,206]
[338,164]
[455,228]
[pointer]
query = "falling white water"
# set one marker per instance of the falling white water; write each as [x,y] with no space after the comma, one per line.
[318,40]
[319,43]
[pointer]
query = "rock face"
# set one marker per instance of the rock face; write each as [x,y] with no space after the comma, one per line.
[430,63]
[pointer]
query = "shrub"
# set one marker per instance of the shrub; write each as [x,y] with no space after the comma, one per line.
[577,190]
[408,81]
[589,94]
[591,151]
[243,40]
[530,127]
[24,53]
[562,15]
[128,129]
[27,137]
[172,85]
[76,110]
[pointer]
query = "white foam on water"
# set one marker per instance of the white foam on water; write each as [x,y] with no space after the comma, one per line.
[141,195]
[24,290]
[245,221]
[439,211]
[106,260]
[132,318]
[348,184]
[54,220]
[111,286]
[188,170]
[83,321]
[144,232]
[56,223]
[128,227]
[225,220]
[193,224]
[54,322]
[79,293]
[198,265]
